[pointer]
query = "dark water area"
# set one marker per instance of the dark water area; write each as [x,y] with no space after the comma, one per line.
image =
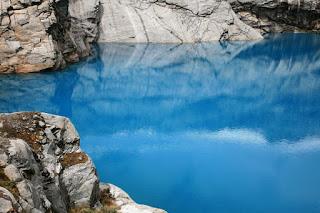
[194,128]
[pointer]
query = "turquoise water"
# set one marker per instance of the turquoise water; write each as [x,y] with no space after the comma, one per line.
[221,127]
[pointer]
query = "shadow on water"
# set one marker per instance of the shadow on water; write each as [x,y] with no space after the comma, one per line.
[226,127]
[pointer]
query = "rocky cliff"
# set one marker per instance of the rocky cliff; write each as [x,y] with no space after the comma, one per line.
[279,15]
[173,21]
[43,169]
[45,34]
[180,21]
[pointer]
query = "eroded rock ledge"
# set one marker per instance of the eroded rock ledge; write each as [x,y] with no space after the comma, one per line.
[279,15]
[45,34]
[43,169]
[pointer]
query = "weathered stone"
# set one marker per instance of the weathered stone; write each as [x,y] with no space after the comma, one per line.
[83,190]
[8,203]
[55,176]
[5,21]
[22,18]
[49,34]
[41,123]
[14,45]
[30,26]
[279,16]
[172,21]
[125,203]
[13,173]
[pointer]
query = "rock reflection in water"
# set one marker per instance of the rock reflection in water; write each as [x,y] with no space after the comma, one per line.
[265,85]
[223,127]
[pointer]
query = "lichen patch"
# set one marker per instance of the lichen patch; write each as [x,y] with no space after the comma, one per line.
[23,126]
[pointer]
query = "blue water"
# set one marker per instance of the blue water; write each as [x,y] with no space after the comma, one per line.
[220,127]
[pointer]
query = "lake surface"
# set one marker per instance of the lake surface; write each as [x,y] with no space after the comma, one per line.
[194,128]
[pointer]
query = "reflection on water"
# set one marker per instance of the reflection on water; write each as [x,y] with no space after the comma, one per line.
[223,127]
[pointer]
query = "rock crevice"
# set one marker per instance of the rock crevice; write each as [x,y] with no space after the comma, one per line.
[279,16]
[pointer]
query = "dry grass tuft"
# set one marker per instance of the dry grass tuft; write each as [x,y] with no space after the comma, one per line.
[22,126]
[70,159]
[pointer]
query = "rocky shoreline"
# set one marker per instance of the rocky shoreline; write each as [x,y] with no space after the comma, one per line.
[43,169]
[40,35]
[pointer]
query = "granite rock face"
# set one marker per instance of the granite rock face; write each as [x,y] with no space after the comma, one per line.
[279,15]
[171,21]
[41,158]
[43,169]
[45,34]
[40,35]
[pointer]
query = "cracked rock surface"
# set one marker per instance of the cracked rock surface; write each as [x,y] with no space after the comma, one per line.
[43,169]
[279,15]
[172,21]
[45,34]
[40,35]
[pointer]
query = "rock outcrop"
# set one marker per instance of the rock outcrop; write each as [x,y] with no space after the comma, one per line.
[45,34]
[124,203]
[43,169]
[279,15]
[48,34]
[177,21]
[173,21]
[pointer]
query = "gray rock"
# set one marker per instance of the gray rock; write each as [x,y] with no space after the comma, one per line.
[14,45]
[24,172]
[31,41]
[174,21]
[13,173]
[41,123]
[125,203]
[44,177]
[8,203]
[49,134]
[29,26]
[83,189]
[279,16]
